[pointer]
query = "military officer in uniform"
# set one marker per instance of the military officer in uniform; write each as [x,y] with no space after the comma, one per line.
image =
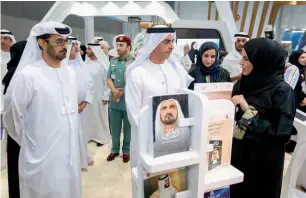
[117,108]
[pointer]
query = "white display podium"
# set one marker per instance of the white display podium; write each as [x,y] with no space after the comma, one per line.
[297,161]
[199,179]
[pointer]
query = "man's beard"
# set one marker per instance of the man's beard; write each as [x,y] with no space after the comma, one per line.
[167,186]
[238,50]
[121,53]
[60,56]
[169,121]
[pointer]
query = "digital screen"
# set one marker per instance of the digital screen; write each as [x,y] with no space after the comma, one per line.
[189,35]
[300,116]
[182,42]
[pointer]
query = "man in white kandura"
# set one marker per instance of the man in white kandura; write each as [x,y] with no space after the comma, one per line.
[154,72]
[178,54]
[231,61]
[169,138]
[7,40]
[98,121]
[165,188]
[41,115]
[85,97]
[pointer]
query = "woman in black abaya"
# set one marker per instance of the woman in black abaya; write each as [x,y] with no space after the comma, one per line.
[266,110]
[298,58]
[193,51]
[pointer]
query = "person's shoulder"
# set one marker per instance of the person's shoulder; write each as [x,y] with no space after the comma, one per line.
[132,57]
[224,71]
[283,88]
[114,60]
[31,69]
[140,70]
[192,73]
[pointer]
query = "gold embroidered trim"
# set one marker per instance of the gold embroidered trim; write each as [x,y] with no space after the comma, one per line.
[240,130]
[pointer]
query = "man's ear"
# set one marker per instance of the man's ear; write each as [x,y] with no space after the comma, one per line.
[42,43]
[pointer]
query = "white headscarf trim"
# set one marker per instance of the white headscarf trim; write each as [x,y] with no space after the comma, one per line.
[165,192]
[9,35]
[241,37]
[32,52]
[97,39]
[78,55]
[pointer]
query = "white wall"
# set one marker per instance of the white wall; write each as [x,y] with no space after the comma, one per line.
[189,10]
[293,17]
[22,27]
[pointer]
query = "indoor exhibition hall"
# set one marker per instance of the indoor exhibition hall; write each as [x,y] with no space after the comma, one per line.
[153,99]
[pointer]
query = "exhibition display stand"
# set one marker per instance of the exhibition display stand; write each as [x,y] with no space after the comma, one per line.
[297,161]
[199,179]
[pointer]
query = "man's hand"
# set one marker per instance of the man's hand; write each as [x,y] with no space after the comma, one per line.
[121,92]
[82,106]
[115,92]
[104,102]
[186,49]
[115,98]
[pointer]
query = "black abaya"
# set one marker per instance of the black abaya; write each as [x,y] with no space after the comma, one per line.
[260,153]
[262,166]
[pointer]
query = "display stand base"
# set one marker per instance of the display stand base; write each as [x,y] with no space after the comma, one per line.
[298,194]
[168,162]
[222,177]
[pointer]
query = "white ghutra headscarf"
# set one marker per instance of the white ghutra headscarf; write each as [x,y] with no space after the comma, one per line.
[32,52]
[152,39]
[231,61]
[9,34]
[97,39]
[165,192]
[101,57]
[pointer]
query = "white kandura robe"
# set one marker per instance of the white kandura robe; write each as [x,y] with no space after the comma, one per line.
[5,58]
[34,114]
[302,177]
[85,93]
[98,120]
[147,80]
[231,62]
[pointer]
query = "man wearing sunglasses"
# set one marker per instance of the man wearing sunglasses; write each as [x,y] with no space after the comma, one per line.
[41,115]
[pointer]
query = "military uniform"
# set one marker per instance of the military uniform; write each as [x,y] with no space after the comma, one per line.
[117,110]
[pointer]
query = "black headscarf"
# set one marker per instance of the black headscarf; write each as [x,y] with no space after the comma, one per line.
[268,58]
[294,59]
[201,69]
[83,48]
[192,52]
[16,53]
